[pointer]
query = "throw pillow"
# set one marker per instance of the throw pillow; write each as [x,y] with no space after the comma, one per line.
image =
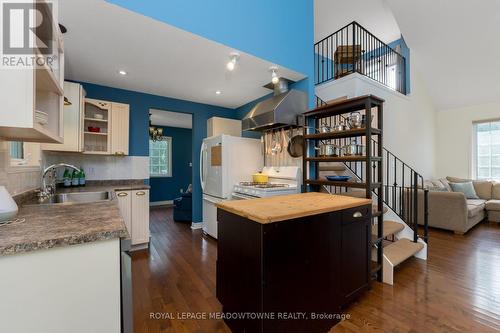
[466,188]
[446,184]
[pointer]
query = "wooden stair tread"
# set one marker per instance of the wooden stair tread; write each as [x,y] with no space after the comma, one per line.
[390,228]
[401,250]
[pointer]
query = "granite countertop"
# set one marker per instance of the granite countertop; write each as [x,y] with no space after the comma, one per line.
[286,207]
[56,225]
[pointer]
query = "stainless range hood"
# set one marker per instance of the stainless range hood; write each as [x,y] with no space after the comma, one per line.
[278,111]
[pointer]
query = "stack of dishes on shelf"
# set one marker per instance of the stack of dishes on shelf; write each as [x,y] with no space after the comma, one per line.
[41,118]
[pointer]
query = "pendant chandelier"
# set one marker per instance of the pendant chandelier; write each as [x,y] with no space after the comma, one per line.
[155,133]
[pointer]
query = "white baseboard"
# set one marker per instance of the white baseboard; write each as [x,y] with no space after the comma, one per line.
[196,225]
[161,203]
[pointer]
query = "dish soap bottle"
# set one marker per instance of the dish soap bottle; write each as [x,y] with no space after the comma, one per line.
[67,178]
[82,177]
[75,178]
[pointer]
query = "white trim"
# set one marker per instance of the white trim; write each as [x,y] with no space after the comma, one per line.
[196,225]
[161,203]
[364,78]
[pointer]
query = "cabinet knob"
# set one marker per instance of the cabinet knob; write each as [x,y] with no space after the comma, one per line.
[122,194]
[357,214]
[140,193]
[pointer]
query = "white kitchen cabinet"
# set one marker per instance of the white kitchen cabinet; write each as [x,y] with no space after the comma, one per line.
[140,217]
[125,205]
[217,126]
[96,127]
[64,289]
[134,207]
[73,119]
[120,115]
[23,91]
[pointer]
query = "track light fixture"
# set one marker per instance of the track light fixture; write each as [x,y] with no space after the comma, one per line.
[274,75]
[233,58]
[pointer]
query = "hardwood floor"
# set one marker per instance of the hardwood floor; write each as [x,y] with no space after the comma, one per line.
[456,290]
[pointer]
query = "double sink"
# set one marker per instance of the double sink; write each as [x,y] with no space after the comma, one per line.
[76,197]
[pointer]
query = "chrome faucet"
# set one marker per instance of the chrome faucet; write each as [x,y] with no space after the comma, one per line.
[48,189]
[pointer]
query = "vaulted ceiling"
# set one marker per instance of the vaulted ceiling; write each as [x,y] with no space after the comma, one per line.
[456,47]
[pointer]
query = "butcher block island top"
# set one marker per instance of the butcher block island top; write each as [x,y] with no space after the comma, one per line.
[286,207]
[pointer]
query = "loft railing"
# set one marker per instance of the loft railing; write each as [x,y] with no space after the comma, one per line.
[404,190]
[353,49]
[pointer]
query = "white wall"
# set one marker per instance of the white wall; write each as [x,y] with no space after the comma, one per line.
[454,138]
[409,121]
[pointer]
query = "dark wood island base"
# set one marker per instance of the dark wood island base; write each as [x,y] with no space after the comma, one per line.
[283,274]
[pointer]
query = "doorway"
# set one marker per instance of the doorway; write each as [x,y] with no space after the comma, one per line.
[170,162]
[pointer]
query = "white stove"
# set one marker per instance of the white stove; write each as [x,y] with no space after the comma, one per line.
[282,181]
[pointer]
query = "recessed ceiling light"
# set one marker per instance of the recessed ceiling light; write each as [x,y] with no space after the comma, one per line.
[122,72]
[218,92]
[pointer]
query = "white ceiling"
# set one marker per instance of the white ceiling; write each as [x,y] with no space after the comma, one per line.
[374,15]
[160,59]
[457,46]
[171,119]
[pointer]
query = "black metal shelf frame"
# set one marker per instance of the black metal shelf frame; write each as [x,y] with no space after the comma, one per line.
[370,163]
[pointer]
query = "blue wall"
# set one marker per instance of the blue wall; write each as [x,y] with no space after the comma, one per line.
[140,103]
[168,188]
[280,31]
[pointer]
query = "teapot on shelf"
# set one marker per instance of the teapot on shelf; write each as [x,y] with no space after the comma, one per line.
[354,120]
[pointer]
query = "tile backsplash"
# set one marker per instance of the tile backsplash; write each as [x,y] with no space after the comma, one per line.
[98,167]
[17,179]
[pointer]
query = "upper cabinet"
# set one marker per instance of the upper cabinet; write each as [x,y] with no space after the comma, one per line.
[119,128]
[93,126]
[73,120]
[31,97]
[96,127]
[217,126]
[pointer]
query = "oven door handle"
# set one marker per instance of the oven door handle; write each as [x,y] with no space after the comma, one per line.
[239,196]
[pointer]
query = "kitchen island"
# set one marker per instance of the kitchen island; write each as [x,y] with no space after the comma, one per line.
[294,260]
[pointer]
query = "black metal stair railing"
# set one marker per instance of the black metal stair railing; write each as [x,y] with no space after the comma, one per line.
[404,190]
[353,49]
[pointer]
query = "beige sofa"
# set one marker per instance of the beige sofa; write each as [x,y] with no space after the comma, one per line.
[452,211]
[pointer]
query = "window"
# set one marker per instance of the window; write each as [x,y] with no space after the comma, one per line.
[160,157]
[487,150]
[16,150]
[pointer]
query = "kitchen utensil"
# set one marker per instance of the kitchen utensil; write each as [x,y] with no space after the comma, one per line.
[296,146]
[94,129]
[260,178]
[354,119]
[324,128]
[350,149]
[339,127]
[328,150]
[8,207]
[338,178]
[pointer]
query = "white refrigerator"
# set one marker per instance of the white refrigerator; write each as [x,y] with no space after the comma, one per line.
[224,161]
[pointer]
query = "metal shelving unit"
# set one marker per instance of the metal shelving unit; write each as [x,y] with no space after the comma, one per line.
[369,164]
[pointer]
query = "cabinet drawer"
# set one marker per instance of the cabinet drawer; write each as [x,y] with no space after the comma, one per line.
[357,214]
